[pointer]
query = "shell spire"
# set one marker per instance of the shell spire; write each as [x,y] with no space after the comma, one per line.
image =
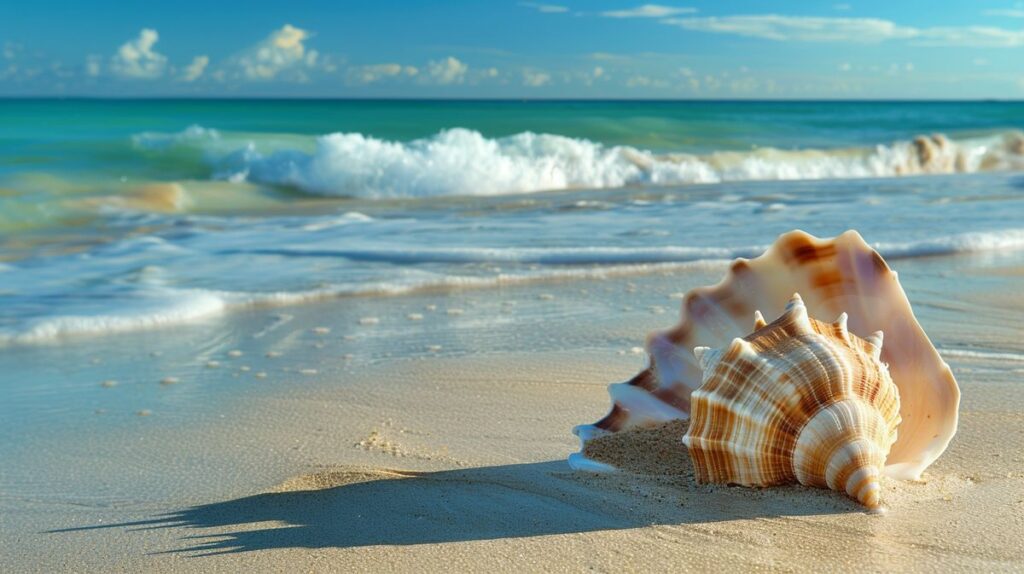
[798,400]
[874,341]
[759,321]
[841,326]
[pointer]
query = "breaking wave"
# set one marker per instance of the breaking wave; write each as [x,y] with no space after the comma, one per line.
[153,306]
[464,162]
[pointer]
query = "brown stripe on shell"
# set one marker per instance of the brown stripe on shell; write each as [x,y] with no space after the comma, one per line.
[880,265]
[829,283]
[679,334]
[802,249]
[614,420]
[672,396]
[646,379]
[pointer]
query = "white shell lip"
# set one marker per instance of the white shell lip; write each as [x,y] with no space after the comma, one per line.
[838,275]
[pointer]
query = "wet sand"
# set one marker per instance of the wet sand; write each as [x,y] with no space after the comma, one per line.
[439,443]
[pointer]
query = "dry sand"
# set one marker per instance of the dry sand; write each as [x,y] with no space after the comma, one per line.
[437,463]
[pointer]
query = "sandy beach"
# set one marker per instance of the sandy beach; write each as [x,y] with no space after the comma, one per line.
[440,443]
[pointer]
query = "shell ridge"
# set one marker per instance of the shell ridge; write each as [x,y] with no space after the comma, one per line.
[795,401]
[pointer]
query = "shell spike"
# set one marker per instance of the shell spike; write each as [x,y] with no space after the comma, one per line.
[796,301]
[707,358]
[797,313]
[740,346]
[759,322]
[841,329]
[702,356]
[841,322]
[875,342]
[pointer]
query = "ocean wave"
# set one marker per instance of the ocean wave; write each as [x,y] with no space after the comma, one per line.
[154,304]
[168,306]
[193,134]
[464,162]
[983,355]
[973,242]
[147,310]
[528,256]
[1003,240]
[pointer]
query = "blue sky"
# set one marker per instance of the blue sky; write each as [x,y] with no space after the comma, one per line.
[551,49]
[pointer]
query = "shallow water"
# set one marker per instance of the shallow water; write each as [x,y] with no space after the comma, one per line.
[120,216]
[152,270]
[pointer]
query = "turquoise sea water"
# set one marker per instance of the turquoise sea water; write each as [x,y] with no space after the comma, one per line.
[129,215]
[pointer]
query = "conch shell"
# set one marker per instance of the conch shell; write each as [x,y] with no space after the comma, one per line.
[833,275]
[798,400]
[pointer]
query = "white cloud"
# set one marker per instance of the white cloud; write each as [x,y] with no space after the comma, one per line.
[980,61]
[640,81]
[11,50]
[606,57]
[545,8]
[195,69]
[536,78]
[748,85]
[648,11]
[971,37]
[377,72]
[93,65]
[447,71]
[808,29]
[845,67]
[137,59]
[856,30]
[588,77]
[282,54]
[896,69]
[842,7]
[1006,13]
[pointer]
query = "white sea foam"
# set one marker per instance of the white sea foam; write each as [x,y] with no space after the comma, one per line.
[166,307]
[540,256]
[464,162]
[983,355]
[1003,240]
[156,305]
[155,308]
[193,134]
